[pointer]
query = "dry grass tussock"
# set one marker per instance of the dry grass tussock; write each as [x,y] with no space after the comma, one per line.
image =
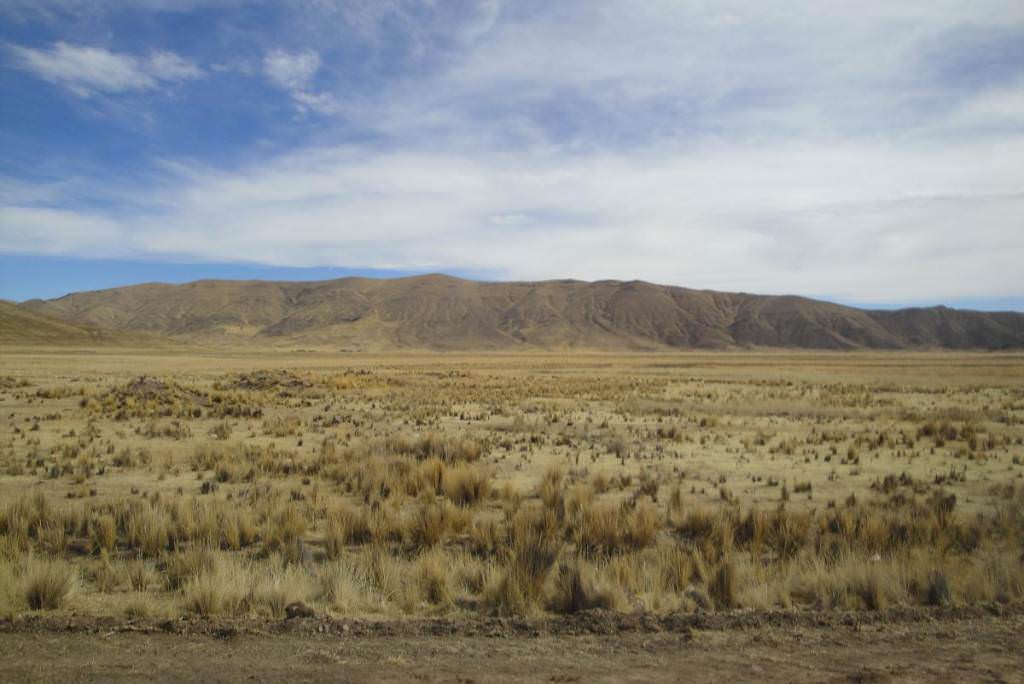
[564,551]
[408,490]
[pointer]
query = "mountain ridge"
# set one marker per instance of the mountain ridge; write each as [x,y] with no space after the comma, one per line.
[446,313]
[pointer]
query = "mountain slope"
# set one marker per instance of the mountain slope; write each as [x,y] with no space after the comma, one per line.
[440,312]
[19,326]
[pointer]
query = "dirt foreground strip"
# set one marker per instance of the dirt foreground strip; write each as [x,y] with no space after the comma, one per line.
[590,622]
[895,646]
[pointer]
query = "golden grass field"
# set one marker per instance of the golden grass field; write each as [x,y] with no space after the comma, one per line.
[268,485]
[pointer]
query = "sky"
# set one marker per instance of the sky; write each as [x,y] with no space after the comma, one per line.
[870,153]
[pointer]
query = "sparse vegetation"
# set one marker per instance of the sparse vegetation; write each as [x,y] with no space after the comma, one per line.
[406,490]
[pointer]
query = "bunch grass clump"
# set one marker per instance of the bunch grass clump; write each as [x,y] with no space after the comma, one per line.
[47,583]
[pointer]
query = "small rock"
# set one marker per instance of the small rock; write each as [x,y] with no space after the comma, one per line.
[298,610]
[698,597]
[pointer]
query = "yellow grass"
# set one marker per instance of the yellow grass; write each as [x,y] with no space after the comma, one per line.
[239,484]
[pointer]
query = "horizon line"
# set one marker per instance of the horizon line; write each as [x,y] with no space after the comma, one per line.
[223,272]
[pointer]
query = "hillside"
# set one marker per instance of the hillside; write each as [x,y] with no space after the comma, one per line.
[441,312]
[20,326]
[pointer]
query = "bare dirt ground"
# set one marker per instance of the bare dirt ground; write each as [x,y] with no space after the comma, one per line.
[955,645]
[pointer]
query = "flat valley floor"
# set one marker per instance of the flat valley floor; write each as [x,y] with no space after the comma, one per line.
[773,517]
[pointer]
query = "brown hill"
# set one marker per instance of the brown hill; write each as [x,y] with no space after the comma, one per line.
[22,327]
[441,312]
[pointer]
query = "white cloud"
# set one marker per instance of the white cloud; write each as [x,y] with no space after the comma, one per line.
[291,71]
[87,70]
[853,221]
[1000,107]
[322,103]
[168,66]
[40,230]
[782,148]
[674,68]
[295,73]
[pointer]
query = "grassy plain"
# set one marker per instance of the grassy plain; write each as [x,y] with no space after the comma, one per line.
[267,485]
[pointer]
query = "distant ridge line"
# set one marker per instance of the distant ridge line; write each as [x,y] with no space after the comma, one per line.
[446,313]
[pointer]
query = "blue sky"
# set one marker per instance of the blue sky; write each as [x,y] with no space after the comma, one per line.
[866,155]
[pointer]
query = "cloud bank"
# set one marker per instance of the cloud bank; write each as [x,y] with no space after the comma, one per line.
[864,155]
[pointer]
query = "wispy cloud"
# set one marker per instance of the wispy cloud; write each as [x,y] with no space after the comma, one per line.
[872,154]
[295,73]
[168,66]
[86,70]
[291,71]
[776,218]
